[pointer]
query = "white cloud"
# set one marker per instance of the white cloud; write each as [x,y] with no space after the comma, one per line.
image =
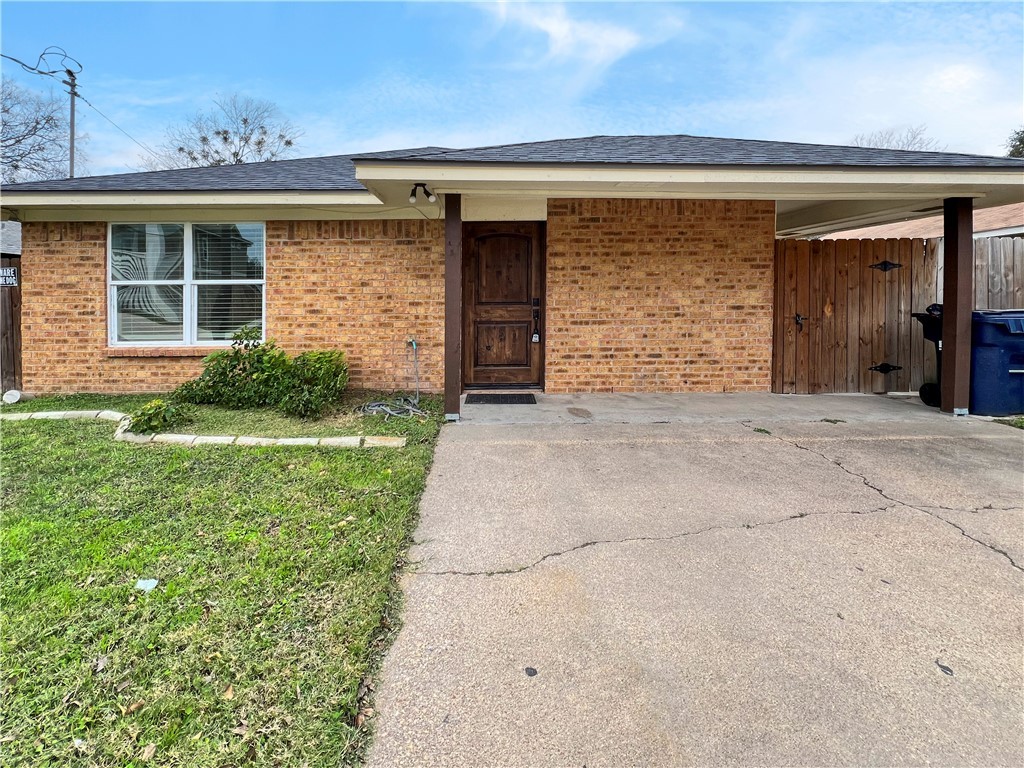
[810,75]
[966,102]
[576,52]
[596,43]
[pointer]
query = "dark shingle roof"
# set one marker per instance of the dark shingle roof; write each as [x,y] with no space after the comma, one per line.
[337,173]
[703,150]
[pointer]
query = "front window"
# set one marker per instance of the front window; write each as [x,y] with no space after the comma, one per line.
[183,284]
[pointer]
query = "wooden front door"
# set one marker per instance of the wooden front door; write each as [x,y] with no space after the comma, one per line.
[503,300]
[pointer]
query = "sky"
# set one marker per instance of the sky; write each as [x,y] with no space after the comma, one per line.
[358,77]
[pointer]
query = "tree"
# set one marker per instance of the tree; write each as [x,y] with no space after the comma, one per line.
[34,134]
[239,129]
[912,138]
[1015,144]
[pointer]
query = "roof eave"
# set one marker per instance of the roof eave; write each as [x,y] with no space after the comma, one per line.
[14,198]
[755,182]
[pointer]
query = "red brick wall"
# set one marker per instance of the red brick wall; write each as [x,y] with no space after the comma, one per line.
[659,295]
[64,318]
[643,295]
[364,287]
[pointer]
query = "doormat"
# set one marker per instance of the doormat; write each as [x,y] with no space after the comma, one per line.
[522,398]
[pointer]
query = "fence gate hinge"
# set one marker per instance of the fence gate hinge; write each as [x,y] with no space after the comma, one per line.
[885,368]
[886,265]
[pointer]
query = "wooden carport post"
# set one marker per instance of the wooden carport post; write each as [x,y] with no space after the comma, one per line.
[957,305]
[452,306]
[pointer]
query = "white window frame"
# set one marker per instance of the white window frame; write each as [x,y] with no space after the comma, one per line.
[190,288]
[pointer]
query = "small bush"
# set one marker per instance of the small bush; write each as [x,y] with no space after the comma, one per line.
[251,374]
[160,416]
[318,381]
[255,374]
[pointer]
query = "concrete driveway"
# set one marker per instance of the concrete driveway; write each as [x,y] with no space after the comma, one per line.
[716,590]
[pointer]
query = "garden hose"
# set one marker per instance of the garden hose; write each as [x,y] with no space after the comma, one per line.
[400,407]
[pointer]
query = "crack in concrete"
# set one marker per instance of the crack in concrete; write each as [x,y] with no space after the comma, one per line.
[973,510]
[685,534]
[896,502]
[670,537]
[900,502]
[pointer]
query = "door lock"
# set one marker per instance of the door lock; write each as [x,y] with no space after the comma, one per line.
[799,321]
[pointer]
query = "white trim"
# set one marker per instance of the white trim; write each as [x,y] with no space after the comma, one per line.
[541,175]
[1017,229]
[188,320]
[14,199]
[190,288]
[213,214]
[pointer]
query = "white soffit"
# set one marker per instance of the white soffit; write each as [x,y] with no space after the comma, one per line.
[487,208]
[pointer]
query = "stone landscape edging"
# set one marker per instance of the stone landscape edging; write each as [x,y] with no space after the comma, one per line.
[122,434]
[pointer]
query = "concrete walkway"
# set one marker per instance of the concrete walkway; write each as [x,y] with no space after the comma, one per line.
[124,434]
[704,593]
[698,409]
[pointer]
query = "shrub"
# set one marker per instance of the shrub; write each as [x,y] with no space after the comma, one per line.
[318,381]
[160,416]
[251,374]
[255,374]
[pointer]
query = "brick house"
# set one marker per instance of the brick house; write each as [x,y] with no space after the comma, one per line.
[609,263]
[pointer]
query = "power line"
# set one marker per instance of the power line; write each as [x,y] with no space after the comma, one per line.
[122,130]
[27,67]
[71,67]
[53,50]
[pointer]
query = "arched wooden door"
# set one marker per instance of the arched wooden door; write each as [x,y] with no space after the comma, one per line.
[503,305]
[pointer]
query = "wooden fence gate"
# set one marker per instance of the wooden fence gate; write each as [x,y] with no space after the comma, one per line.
[843,309]
[10,329]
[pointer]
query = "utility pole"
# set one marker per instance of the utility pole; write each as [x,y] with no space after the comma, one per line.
[71,84]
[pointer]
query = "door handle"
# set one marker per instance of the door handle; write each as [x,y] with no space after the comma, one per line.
[799,319]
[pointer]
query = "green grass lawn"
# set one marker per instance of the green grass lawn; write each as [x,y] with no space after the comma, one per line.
[211,420]
[276,595]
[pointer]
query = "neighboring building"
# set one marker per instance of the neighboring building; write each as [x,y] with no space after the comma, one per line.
[1003,221]
[10,239]
[608,263]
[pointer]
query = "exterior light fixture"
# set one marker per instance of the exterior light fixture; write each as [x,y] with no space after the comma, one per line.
[431,197]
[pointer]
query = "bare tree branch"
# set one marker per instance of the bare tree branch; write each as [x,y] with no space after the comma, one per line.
[240,129]
[912,138]
[34,134]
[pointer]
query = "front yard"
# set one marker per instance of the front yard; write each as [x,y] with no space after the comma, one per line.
[276,590]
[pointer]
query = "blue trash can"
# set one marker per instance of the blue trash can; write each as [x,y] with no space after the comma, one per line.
[997,362]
